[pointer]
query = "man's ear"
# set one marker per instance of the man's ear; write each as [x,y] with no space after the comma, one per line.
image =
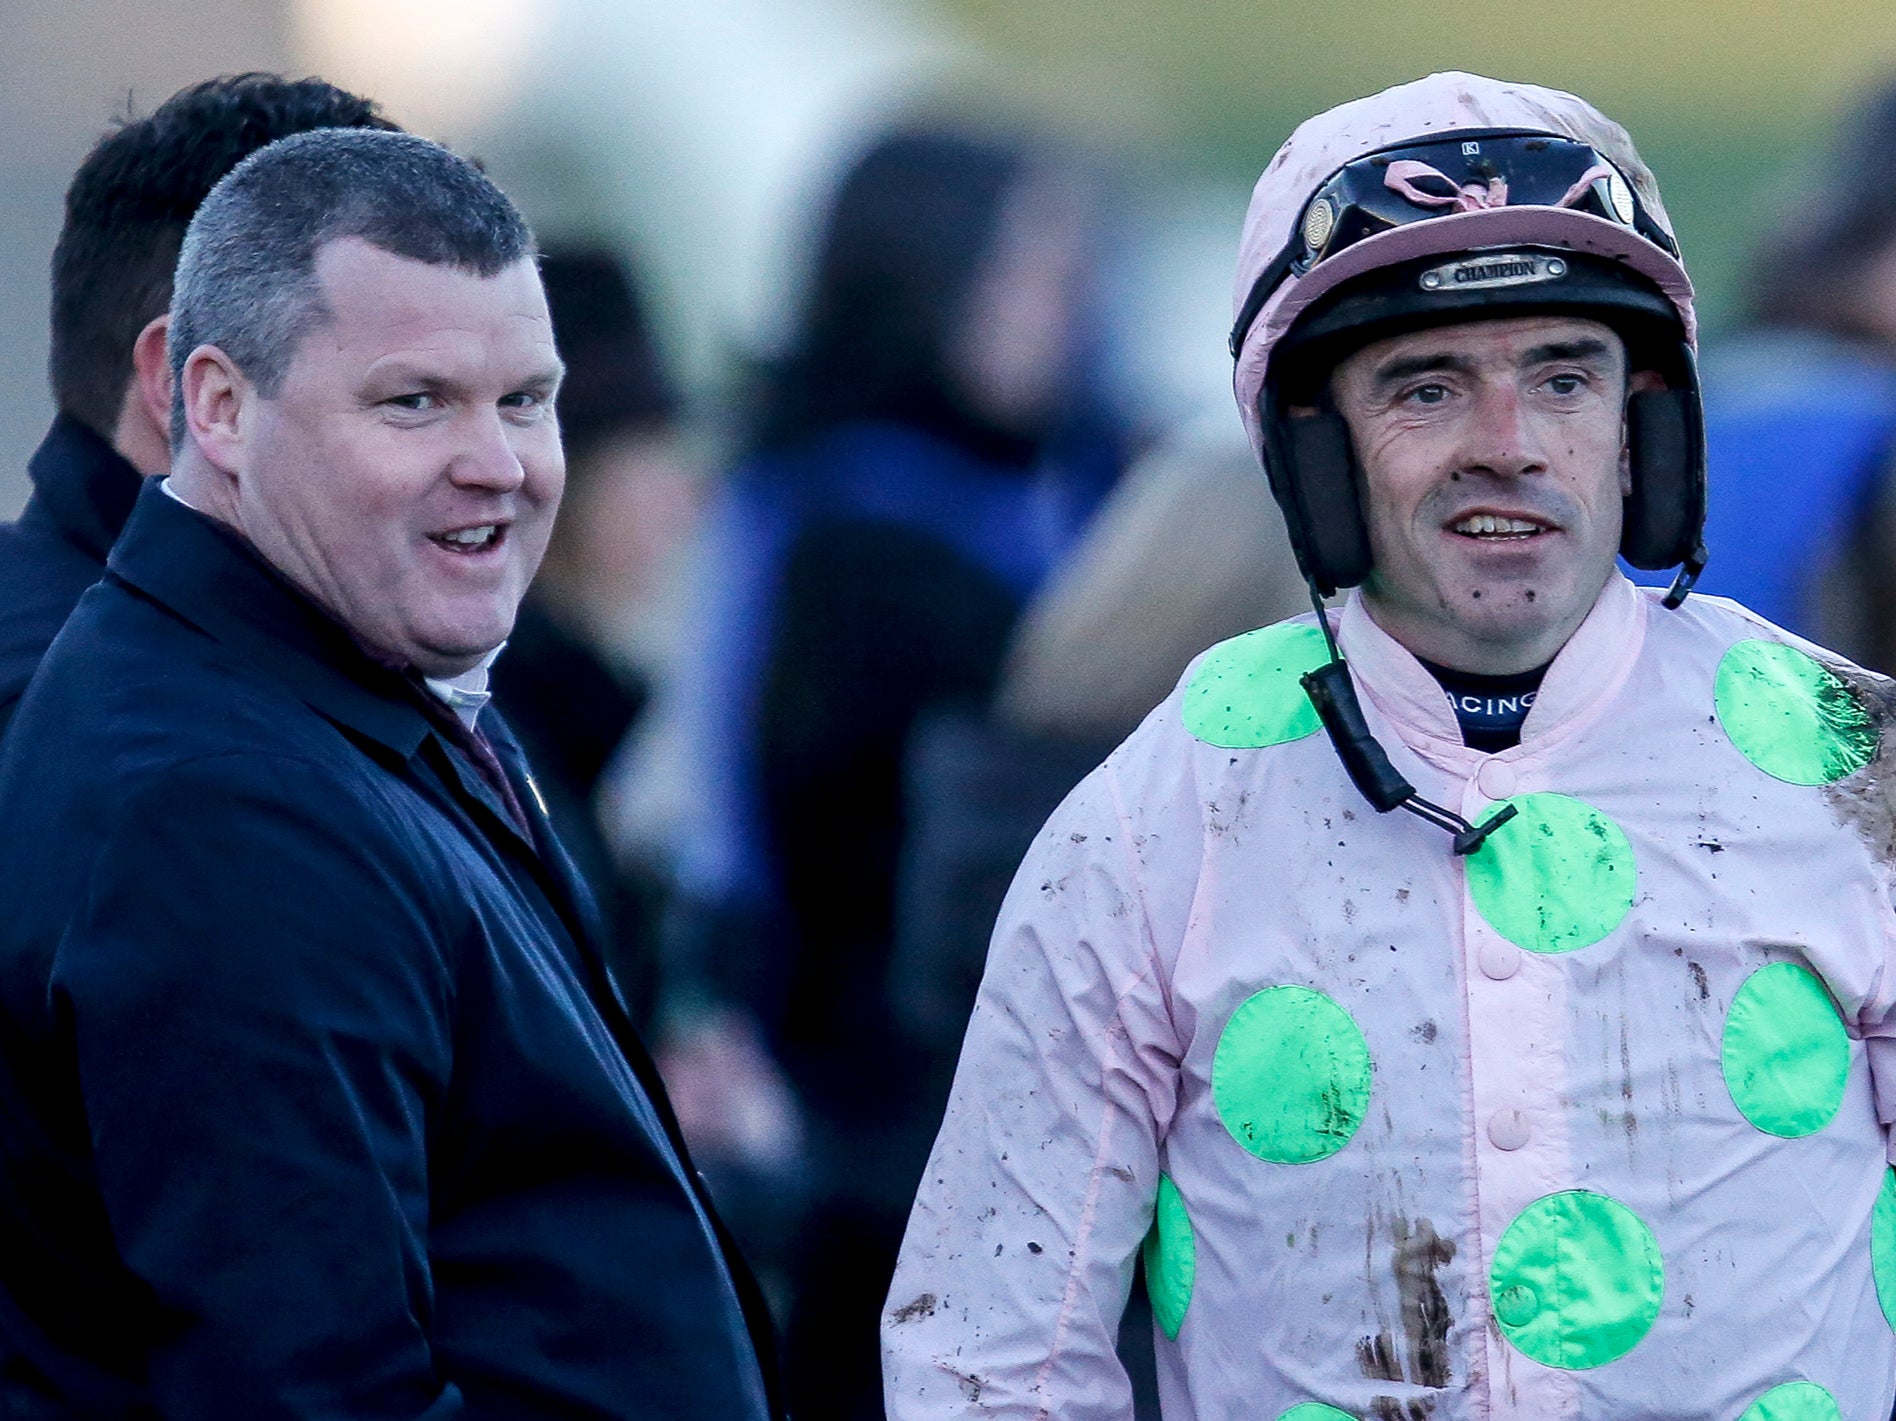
[151,371]
[1640,381]
[219,405]
[142,435]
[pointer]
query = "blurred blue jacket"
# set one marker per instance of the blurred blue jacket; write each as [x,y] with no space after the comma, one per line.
[1011,524]
[1799,431]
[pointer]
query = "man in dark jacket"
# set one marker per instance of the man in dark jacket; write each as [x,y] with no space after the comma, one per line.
[317,1100]
[126,212]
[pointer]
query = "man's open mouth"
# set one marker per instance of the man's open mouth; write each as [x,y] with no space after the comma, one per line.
[1497,526]
[477,539]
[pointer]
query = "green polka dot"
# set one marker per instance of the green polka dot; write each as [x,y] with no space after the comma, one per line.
[1786,1053]
[1790,716]
[1883,1246]
[1576,1280]
[1794,1401]
[1315,1411]
[1171,1259]
[1246,694]
[1557,876]
[1290,1076]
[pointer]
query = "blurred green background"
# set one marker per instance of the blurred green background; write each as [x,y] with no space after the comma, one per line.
[703,136]
[1726,99]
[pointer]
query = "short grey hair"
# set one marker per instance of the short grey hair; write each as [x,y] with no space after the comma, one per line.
[246,279]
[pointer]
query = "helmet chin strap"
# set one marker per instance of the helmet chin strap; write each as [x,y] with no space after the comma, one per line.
[1333,694]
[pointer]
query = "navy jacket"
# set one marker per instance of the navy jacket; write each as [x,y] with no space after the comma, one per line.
[83,492]
[315,1099]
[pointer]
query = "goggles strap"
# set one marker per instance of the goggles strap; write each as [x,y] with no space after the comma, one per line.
[1586,180]
[1400,178]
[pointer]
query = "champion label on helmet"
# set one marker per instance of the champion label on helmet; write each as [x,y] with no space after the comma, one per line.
[1493,269]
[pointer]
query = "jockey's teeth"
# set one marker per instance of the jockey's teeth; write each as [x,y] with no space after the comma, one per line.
[1483,524]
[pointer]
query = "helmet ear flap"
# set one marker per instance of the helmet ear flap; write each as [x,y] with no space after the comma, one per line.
[1665,512]
[1315,480]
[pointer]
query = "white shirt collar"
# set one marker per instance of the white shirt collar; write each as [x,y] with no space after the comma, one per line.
[467,693]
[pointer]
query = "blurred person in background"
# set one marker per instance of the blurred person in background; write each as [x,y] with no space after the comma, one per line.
[581,658]
[1185,553]
[126,211]
[1800,406]
[594,641]
[924,453]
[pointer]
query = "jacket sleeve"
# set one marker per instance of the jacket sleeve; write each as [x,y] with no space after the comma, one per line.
[1020,1250]
[258,1004]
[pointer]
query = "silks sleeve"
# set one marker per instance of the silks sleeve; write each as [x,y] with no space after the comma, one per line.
[1043,1181]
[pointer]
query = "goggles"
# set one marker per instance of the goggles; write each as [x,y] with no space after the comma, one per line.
[1467,171]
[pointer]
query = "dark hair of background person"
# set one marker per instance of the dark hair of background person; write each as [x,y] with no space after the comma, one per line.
[1807,270]
[905,238]
[615,381]
[128,207]
[246,279]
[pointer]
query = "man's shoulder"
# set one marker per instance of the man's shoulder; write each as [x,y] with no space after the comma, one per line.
[142,738]
[129,692]
[1245,692]
[1240,696]
[42,577]
[33,553]
[1300,630]
[121,652]
[1721,623]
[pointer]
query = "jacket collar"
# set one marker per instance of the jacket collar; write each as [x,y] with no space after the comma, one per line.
[212,578]
[83,484]
[1583,677]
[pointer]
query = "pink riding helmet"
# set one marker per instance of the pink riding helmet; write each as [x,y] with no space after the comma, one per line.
[1540,203]
[1440,104]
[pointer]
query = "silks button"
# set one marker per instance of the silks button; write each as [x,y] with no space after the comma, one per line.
[1499,960]
[1497,779]
[1508,1129]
